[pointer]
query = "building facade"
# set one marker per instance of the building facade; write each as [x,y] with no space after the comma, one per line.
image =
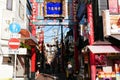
[14,12]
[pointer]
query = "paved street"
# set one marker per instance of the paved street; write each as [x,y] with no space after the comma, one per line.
[58,76]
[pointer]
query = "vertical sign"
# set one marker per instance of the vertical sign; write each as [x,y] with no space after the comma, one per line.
[113,6]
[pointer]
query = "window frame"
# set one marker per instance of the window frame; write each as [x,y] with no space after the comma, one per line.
[9,5]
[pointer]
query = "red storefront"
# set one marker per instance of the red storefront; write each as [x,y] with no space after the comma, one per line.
[107,61]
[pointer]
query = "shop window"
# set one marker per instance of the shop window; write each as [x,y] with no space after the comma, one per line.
[9,4]
[7,60]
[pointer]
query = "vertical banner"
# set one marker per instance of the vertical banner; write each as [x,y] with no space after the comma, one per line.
[35,8]
[113,6]
[41,9]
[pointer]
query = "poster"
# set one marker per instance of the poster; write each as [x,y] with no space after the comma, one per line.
[113,6]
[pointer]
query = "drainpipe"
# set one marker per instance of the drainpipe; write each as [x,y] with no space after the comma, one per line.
[91,41]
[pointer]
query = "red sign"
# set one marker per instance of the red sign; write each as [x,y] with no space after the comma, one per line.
[14,43]
[113,6]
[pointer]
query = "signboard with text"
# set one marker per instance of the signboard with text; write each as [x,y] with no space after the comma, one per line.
[54,9]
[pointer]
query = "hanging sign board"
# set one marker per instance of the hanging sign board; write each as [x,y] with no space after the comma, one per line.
[54,8]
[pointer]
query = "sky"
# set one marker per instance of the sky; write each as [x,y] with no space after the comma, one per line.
[50,32]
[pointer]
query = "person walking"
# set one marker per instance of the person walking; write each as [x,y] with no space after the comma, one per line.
[70,71]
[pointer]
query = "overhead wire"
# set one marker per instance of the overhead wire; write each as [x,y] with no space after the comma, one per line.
[58,32]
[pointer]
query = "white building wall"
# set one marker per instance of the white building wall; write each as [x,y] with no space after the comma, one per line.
[18,15]
[6,18]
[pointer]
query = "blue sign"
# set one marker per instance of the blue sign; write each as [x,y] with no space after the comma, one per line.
[14,28]
[54,8]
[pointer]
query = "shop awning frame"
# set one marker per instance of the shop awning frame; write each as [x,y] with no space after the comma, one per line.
[28,37]
[103,49]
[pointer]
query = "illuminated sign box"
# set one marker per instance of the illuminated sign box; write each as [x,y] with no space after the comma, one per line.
[54,9]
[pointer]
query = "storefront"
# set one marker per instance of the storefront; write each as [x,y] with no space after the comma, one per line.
[107,61]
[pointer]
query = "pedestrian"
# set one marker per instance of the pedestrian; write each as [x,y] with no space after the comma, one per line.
[70,71]
[39,66]
[37,74]
[47,67]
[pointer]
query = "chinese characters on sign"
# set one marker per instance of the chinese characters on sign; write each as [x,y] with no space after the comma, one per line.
[54,8]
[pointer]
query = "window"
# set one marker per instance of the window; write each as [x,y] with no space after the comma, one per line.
[21,10]
[9,4]
[7,60]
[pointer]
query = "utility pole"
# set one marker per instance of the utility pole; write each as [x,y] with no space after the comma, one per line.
[76,54]
[62,46]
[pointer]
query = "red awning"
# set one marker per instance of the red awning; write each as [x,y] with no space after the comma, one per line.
[27,37]
[25,34]
[103,49]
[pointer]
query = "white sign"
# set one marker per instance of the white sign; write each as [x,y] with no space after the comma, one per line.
[20,51]
[107,69]
[15,35]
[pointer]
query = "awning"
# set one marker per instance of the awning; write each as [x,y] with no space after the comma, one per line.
[25,34]
[28,38]
[116,36]
[103,49]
